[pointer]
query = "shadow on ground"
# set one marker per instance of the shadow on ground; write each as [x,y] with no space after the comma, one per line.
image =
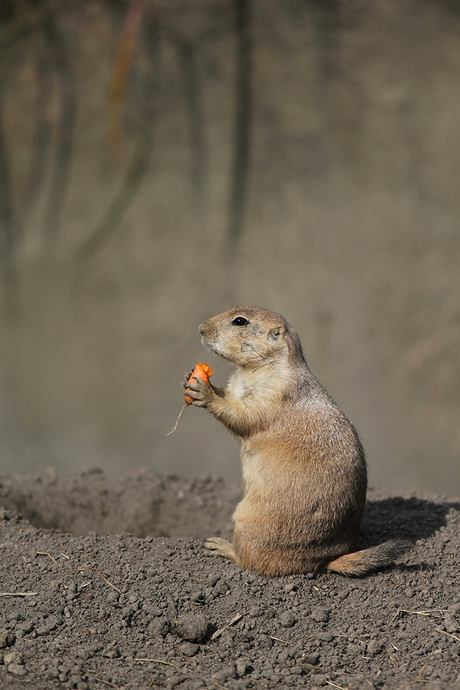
[403,518]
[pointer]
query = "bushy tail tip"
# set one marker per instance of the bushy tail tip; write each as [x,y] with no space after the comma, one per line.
[367,560]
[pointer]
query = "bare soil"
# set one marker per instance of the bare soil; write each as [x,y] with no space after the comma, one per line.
[104,584]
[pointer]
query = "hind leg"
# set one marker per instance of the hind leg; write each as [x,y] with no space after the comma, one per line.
[220,547]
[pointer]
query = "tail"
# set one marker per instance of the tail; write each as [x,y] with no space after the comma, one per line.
[362,562]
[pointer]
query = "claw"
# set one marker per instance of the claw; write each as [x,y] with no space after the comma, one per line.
[220,547]
[186,379]
[194,386]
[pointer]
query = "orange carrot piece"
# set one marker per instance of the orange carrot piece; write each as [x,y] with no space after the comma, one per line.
[201,371]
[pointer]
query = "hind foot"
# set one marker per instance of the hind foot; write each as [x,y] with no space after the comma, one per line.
[220,547]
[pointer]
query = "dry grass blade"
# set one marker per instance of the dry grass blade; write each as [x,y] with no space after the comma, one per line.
[44,553]
[433,612]
[392,656]
[278,639]
[106,682]
[157,661]
[419,678]
[443,632]
[18,594]
[234,620]
[108,582]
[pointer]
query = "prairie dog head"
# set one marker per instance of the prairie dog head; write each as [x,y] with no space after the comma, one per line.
[251,337]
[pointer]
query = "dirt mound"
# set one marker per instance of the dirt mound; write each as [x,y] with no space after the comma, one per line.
[121,611]
[143,503]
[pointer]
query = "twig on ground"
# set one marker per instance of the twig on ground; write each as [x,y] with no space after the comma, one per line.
[278,639]
[392,656]
[44,553]
[418,613]
[158,661]
[234,620]
[419,678]
[108,581]
[18,594]
[188,660]
[443,632]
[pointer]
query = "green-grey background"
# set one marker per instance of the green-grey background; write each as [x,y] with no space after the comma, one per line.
[163,161]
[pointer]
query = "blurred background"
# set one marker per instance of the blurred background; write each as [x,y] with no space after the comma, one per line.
[162,161]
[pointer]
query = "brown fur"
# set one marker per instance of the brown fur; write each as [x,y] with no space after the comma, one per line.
[304,471]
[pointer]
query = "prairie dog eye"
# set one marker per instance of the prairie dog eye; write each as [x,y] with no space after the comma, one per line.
[240,321]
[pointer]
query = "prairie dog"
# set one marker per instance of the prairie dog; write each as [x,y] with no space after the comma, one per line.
[304,470]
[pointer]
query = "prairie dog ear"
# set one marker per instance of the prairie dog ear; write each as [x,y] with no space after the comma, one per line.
[276,334]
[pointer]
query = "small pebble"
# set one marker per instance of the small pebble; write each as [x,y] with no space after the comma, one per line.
[25,627]
[311,659]
[374,647]
[42,630]
[16,669]
[221,588]
[7,638]
[227,672]
[317,679]
[111,652]
[287,620]
[189,648]
[290,587]
[174,681]
[451,623]
[192,627]
[13,657]
[325,636]
[242,667]
[320,615]
[255,611]
[159,626]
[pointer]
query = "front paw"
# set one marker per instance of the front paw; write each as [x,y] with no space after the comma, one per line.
[198,392]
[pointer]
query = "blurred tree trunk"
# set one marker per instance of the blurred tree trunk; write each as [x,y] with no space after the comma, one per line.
[242,131]
[194,101]
[43,131]
[144,147]
[9,233]
[64,135]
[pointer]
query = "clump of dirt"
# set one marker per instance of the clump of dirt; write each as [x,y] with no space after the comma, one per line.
[118,611]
